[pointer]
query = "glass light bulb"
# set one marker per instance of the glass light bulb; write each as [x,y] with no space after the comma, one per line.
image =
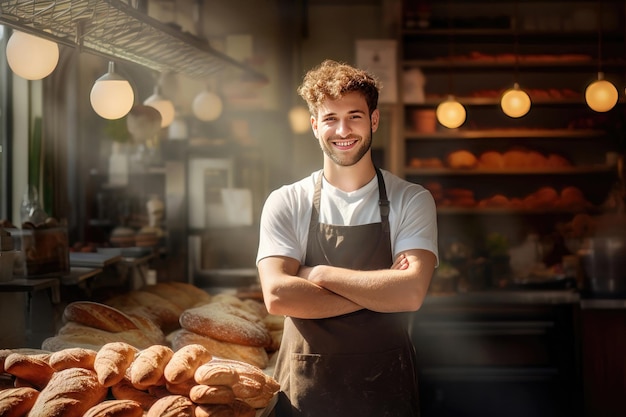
[299,119]
[601,95]
[451,113]
[515,102]
[111,96]
[163,105]
[207,106]
[31,57]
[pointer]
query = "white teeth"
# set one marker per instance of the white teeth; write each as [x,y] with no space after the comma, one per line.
[345,143]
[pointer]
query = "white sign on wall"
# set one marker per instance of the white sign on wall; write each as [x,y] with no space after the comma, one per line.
[378,56]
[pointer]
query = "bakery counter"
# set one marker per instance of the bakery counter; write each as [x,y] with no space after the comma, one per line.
[509,297]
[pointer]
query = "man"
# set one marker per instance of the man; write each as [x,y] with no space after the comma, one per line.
[345,254]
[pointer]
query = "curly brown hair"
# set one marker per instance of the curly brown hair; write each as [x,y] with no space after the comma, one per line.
[332,79]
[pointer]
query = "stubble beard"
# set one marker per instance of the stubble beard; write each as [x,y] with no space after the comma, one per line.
[346,160]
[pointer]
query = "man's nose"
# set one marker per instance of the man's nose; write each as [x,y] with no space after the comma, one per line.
[343,128]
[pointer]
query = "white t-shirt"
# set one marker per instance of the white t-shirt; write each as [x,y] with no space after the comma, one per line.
[287,212]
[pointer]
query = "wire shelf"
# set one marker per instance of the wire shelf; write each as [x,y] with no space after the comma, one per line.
[116,30]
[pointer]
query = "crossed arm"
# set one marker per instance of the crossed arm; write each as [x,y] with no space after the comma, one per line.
[326,291]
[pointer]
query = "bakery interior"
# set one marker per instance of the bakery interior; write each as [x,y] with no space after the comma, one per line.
[526,313]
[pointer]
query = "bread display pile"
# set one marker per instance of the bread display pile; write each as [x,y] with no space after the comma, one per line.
[173,314]
[120,380]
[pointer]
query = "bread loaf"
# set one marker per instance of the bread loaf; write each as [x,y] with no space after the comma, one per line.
[215,410]
[184,362]
[4,353]
[99,316]
[148,366]
[17,402]
[216,373]
[164,312]
[124,390]
[171,293]
[112,361]
[172,406]
[70,393]
[182,388]
[115,408]
[29,368]
[198,295]
[253,355]
[72,358]
[226,323]
[211,394]
[90,335]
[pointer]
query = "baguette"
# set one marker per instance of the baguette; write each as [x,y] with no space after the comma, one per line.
[17,402]
[254,355]
[115,408]
[70,393]
[29,368]
[99,316]
[73,358]
[4,353]
[172,406]
[124,390]
[112,361]
[184,362]
[211,394]
[148,366]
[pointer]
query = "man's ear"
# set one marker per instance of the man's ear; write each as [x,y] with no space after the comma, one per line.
[314,126]
[375,119]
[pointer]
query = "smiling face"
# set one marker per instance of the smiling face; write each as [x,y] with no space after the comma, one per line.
[344,128]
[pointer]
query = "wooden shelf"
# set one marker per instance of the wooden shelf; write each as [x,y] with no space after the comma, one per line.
[504,133]
[580,170]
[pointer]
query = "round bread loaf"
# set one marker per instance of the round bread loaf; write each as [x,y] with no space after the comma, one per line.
[226,323]
[199,295]
[165,312]
[172,406]
[174,294]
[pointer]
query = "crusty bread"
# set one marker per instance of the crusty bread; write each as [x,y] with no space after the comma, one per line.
[17,402]
[181,388]
[73,358]
[172,293]
[214,410]
[70,393]
[29,368]
[115,408]
[124,390]
[24,351]
[165,312]
[212,394]
[90,335]
[172,406]
[58,343]
[148,366]
[185,361]
[251,354]
[216,373]
[112,361]
[198,295]
[99,316]
[227,323]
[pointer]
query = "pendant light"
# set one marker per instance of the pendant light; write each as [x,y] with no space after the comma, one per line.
[450,113]
[31,57]
[601,95]
[515,102]
[299,119]
[207,106]
[163,105]
[112,96]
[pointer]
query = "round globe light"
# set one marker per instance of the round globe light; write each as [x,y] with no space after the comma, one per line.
[163,105]
[601,95]
[299,119]
[207,106]
[451,113]
[112,96]
[31,57]
[515,102]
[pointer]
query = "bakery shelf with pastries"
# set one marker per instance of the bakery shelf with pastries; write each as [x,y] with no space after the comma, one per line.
[520,133]
[121,380]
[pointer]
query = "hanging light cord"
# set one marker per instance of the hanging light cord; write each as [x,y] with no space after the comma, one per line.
[599,25]
[516,42]
[450,49]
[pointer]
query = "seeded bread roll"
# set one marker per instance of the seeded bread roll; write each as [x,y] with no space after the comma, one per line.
[115,408]
[73,358]
[172,406]
[112,361]
[17,402]
[99,316]
[226,323]
[148,366]
[70,393]
[184,362]
[253,355]
[29,368]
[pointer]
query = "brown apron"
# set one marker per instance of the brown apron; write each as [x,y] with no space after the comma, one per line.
[358,364]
